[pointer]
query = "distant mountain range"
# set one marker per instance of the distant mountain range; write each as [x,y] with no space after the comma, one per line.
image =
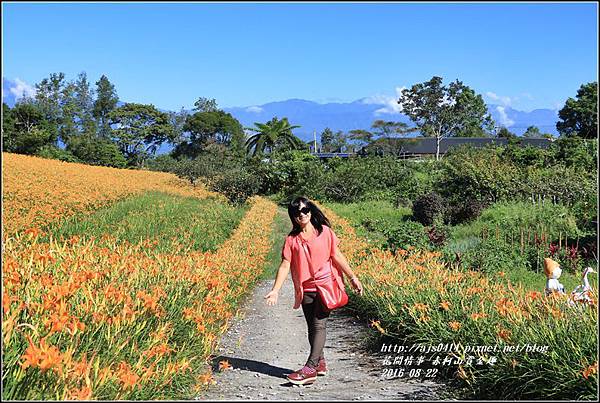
[360,114]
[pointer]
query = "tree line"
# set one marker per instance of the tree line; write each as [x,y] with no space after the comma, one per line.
[72,121]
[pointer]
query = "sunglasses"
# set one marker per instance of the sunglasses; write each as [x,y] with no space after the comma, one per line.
[304,211]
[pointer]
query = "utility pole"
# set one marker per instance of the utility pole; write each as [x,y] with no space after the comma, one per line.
[315,140]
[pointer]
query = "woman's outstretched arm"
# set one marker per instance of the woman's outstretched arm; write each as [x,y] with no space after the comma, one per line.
[282,273]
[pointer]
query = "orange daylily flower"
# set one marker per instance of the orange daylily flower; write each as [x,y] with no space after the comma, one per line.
[224,365]
[454,325]
[590,370]
[43,357]
[376,324]
[84,393]
[127,377]
[504,334]
[477,315]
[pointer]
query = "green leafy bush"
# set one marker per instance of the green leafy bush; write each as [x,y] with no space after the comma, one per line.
[405,234]
[301,173]
[213,160]
[429,208]
[491,256]
[53,152]
[236,185]
[477,174]
[163,163]
[577,152]
[466,211]
[529,155]
[96,151]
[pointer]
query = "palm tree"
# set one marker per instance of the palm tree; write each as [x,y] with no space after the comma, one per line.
[269,134]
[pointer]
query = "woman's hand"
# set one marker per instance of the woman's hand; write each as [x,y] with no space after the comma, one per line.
[357,285]
[271,297]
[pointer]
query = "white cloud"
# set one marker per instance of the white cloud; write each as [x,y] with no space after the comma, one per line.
[506,101]
[504,120]
[21,89]
[254,109]
[390,103]
[527,96]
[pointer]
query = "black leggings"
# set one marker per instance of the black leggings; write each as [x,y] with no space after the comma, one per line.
[316,319]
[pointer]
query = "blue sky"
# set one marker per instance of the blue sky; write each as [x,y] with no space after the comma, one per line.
[523,55]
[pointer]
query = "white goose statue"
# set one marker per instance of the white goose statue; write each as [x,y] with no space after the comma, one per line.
[581,293]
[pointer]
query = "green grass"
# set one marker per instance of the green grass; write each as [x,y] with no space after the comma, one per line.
[370,213]
[196,224]
[281,227]
[512,217]
[533,281]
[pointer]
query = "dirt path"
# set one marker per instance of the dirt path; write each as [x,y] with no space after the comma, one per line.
[264,343]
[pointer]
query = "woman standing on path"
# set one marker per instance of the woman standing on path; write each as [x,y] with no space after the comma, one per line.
[311,230]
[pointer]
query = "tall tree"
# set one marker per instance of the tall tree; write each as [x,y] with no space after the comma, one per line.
[390,129]
[439,111]
[25,128]
[532,132]
[505,133]
[212,126]
[69,127]
[8,129]
[333,142]
[360,136]
[178,120]
[140,131]
[327,139]
[84,96]
[339,143]
[579,117]
[205,105]
[106,102]
[48,98]
[268,134]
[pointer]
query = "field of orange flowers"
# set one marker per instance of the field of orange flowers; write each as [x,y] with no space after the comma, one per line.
[545,348]
[101,318]
[37,191]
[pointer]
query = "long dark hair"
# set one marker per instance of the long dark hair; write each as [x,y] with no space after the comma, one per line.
[317,218]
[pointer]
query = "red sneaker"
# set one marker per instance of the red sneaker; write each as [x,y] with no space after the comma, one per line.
[321,368]
[303,376]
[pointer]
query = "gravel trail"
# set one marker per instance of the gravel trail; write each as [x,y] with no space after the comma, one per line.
[264,343]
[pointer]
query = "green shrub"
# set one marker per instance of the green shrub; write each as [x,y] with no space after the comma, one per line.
[96,151]
[466,211]
[492,255]
[348,183]
[213,160]
[557,184]
[529,155]
[510,218]
[478,174]
[53,152]
[237,185]
[428,208]
[270,175]
[405,234]
[162,163]
[577,152]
